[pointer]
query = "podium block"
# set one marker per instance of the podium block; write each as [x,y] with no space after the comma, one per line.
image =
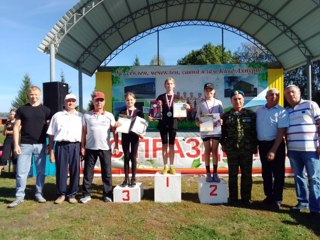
[212,192]
[167,187]
[128,194]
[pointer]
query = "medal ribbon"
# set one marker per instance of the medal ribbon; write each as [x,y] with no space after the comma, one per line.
[171,101]
[131,112]
[210,111]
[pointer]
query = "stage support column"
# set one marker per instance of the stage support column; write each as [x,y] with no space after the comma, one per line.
[80,89]
[309,81]
[52,62]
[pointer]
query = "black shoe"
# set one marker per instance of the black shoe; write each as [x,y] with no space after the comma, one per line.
[246,202]
[133,182]
[277,205]
[315,217]
[268,201]
[233,202]
[125,183]
[106,199]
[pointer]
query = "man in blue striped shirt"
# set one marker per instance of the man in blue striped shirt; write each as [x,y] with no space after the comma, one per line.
[303,149]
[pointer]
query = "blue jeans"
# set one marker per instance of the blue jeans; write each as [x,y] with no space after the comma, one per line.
[300,161]
[38,151]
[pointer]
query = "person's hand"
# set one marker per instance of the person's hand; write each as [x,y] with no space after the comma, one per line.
[271,155]
[150,118]
[83,151]
[198,123]
[141,136]
[52,157]
[115,151]
[17,150]
[186,106]
[117,124]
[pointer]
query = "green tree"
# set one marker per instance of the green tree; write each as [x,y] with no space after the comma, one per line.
[63,80]
[208,54]
[22,97]
[249,53]
[136,61]
[90,103]
[155,59]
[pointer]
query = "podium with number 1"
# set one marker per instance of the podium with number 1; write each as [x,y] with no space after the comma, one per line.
[167,187]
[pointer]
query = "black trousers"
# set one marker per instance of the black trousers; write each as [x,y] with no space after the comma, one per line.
[130,144]
[273,172]
[8,151]
[67,156]
[106,171]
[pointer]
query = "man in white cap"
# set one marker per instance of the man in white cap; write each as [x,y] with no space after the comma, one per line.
[65,130]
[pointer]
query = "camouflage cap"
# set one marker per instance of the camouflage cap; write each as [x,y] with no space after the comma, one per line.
[236,92]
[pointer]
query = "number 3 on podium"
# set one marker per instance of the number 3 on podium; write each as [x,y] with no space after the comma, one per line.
[127,195]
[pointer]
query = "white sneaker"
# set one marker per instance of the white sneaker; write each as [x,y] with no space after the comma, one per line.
[107,199]
[215,178]
[209,178]
[40,199]
[15,203]
[85,199]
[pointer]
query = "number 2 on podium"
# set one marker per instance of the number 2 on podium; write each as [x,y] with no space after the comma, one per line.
[214,189]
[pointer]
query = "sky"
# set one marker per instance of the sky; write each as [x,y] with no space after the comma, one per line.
[24,24]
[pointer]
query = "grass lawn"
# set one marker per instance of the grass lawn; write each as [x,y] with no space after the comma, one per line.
[147,219]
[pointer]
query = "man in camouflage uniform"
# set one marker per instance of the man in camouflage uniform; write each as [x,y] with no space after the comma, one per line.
[239,141]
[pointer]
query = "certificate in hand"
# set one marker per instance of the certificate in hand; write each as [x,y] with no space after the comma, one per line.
[155,109]
[207,122]
[139,126]
[178,110]
[216,123]
[125,123]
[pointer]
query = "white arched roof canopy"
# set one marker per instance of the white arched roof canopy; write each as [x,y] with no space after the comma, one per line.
[94,29]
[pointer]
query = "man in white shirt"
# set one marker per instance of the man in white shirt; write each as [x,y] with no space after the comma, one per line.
[98,125]
[65,130]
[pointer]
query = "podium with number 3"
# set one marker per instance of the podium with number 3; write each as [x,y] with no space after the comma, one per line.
[128,194]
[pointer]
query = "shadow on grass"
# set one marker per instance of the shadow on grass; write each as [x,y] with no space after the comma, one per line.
[299,218]
[190,197]
[8,193]
[148,194]
[305,219]
[287,185]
